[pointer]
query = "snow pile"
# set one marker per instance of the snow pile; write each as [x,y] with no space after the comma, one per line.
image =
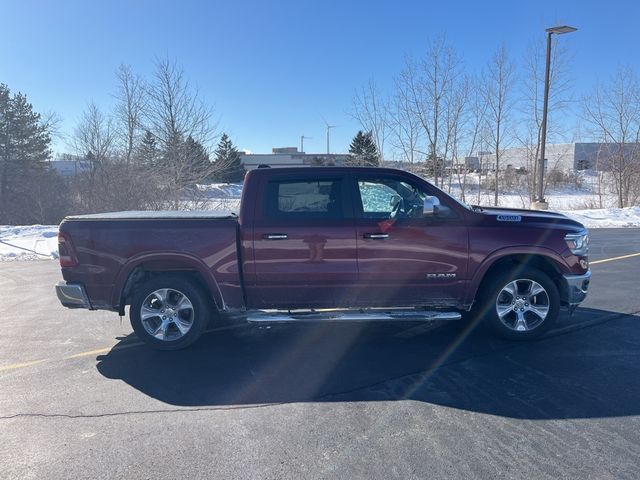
[606,217]
[28,242]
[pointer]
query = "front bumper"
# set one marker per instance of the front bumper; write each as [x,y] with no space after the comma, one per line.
[72,295]
[576,288]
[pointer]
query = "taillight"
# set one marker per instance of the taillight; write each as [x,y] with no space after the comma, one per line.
[65,250]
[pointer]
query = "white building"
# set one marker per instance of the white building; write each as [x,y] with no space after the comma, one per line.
[69,168]
[563,156]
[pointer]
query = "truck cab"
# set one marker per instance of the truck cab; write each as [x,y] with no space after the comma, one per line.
[354,238]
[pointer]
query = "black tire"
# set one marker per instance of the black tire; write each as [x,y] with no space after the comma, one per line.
[529,315]
[195,318]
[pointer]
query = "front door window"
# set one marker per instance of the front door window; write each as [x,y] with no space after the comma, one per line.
[389,198]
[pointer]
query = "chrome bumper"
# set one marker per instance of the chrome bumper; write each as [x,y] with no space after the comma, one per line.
[72,295]
[576,288]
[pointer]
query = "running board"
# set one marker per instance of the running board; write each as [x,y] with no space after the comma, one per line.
[275,316]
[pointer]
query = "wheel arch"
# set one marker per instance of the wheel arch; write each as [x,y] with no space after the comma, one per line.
[142,268]
[544,260]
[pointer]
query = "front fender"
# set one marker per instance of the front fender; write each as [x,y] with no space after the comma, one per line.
[497,255]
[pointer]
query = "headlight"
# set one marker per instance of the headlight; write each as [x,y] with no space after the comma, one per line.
[578,243]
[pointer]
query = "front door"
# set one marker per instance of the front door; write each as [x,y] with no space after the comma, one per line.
[404,257]
[304,245]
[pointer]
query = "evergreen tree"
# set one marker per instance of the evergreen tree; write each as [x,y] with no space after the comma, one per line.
[434,167]
[197,158]
[147,152]
[24,149]
[227,161]
[363,151]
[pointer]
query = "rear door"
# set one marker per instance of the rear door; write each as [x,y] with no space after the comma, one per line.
[405,258]
[304,243]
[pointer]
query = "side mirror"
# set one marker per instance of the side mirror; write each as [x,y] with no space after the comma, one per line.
[430,206]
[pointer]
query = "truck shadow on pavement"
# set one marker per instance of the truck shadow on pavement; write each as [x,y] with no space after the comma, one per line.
[588,368]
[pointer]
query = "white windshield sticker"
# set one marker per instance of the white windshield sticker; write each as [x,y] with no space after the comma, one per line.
[509,218]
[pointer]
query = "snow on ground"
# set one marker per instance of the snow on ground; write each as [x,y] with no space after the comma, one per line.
[28,242]
[606,217]
[557,201]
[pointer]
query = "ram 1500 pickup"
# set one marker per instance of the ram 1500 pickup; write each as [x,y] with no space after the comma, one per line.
[326,244]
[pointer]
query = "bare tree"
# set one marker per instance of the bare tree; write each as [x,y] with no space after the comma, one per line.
[93,141]
[473,121]
[405,125]
[110,182]
[371,111]
[483,136]
[613,112]
[430,83]
[455,105]
[476,112]
[498,89]
[129,110]
[599,176]
[175,109]
[94,136]
[175,114]
[52,121]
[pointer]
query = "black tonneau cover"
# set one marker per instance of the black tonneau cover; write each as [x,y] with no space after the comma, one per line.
[156,215]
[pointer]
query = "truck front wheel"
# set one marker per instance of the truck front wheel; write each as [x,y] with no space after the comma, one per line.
[169,312]
[520,305]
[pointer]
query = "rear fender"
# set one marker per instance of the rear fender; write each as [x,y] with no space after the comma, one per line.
[166,262]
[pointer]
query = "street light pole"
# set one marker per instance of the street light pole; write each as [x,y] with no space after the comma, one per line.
[540,203]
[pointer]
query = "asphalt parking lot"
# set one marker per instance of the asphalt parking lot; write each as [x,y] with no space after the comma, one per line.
[81,398]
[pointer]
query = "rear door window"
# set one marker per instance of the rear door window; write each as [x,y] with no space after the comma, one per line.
[305,199]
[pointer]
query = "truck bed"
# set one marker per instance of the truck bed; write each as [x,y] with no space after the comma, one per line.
[110,245]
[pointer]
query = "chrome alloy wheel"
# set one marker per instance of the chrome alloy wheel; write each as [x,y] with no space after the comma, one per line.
[522,305]
[167,314]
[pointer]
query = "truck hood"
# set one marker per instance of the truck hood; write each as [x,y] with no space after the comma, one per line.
[519,215]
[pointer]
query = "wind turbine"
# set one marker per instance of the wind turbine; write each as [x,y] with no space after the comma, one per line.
[329,127]
[302,139]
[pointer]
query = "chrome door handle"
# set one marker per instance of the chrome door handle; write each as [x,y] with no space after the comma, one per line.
[275,236]
[376,236]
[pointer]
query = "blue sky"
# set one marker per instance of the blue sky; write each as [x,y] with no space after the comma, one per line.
[274,70]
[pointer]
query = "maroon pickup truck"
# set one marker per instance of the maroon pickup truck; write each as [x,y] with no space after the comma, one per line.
[326,244]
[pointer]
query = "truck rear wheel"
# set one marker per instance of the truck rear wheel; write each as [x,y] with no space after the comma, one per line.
[520,305]
[169,312]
